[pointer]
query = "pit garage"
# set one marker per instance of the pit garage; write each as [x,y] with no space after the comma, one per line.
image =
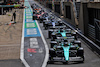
[68,12]
[57,8]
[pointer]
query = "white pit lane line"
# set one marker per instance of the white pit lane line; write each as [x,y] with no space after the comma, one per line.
[22,45]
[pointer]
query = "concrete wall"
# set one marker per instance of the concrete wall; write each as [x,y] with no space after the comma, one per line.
[81,22]
[94,5]
[71,21]
[83,18]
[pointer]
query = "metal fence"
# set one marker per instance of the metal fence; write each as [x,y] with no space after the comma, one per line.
[97,30]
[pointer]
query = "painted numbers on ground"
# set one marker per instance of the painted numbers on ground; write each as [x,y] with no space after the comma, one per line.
[31,31]
[27,10]
[29,14]
[29,20]
[34,43]
[28,17]
[30,25]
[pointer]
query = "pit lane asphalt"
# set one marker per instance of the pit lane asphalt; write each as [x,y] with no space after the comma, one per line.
[91,59]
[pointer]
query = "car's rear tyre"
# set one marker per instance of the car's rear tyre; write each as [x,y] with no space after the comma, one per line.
[83,59]
[49,33]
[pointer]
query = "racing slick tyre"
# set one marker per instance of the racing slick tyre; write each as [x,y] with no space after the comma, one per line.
[34,17]
[50,58]
[49,33]
[40,19]
[43,24]
[46,26]
[53,43]
[78,42]
[33,12]
[80,53]
[53,37]
[75,35]
[60,23]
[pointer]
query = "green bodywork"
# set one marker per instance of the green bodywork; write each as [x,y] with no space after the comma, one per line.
[66,52]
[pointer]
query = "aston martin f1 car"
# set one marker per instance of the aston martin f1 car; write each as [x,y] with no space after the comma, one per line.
[53,24]
[68,33]
[65,52]
[54,29]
